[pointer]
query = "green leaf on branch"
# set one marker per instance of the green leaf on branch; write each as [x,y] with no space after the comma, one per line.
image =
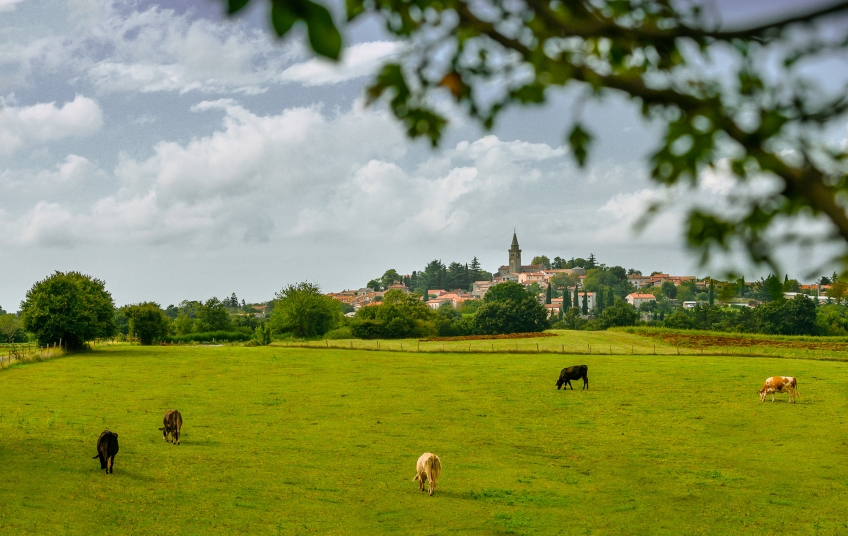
[324,37]
[282,17]
[580,140]
[234,6]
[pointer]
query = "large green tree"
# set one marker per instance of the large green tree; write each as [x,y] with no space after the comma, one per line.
[763,110]
[787,317]
[302,310]
[509,308]
[147,321]
[619,314]
[68,307]
[389,278]
[212,316]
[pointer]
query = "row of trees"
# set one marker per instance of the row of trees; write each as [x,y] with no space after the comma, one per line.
[435,275]
[72,308]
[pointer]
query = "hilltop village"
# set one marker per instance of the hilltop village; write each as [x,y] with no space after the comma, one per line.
[583,283]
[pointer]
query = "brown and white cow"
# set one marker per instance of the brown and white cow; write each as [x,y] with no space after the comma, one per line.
[427,469]
[779,384]
[172,422]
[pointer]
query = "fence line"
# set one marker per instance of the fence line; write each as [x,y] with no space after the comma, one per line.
[466,347]
[11,354]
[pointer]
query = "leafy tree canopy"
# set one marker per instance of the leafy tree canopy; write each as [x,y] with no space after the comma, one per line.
[71,308]
[787,317]
[769,289]
[543,260]
[509,308]
[669,290]
[147,321]
[212,316]
[400,315]
[10,325]
[563,281]
[619,314]
[304,311]
[389,278]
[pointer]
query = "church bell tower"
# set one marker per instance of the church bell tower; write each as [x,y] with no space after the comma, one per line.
[514,256]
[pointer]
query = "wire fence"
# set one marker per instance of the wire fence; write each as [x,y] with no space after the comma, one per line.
[544,347]
[11,354]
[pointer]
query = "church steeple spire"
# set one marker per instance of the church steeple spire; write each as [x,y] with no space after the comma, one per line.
[514,255]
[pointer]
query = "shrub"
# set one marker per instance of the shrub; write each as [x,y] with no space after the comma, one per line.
[146,321]
[339,333]
[210,336]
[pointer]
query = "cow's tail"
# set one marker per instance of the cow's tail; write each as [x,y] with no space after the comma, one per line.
[95,456]
[162,428]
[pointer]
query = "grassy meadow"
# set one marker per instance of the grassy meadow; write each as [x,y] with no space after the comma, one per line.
[286,440]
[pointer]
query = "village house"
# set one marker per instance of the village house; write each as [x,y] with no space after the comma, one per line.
[638,281]
[590,299]
[480,288]
[636,299]
[455,299]
[528,278]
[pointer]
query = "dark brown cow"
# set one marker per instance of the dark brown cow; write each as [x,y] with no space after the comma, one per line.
[172,422]
[573,373]
[107,447]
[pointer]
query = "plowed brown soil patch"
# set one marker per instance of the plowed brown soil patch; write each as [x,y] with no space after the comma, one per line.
[488,337]
[703,341]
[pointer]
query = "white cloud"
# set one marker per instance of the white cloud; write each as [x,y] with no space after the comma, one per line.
[148,51]
[9,5]
[301,173]
[356,61]
[26,126]
[158,50]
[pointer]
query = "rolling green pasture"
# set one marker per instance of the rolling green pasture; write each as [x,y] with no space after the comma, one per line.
[557,341]
[623,341]
[300,440]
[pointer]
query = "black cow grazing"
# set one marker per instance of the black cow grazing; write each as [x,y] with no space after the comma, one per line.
[172,422]
[107,447]
[573,373]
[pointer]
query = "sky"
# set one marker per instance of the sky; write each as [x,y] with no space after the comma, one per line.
[177,154]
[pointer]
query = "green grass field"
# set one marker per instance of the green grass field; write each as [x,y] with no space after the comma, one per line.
[300,440]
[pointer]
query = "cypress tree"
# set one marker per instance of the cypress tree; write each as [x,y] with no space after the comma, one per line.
[610,298]
[566,300]
[575,302]
[599,300]
[712,292]
[585,303]
[548,294]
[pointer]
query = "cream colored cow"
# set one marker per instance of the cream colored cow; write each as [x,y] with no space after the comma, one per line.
[427,469]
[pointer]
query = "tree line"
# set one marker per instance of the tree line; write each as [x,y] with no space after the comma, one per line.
[435,275]
[73,309]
